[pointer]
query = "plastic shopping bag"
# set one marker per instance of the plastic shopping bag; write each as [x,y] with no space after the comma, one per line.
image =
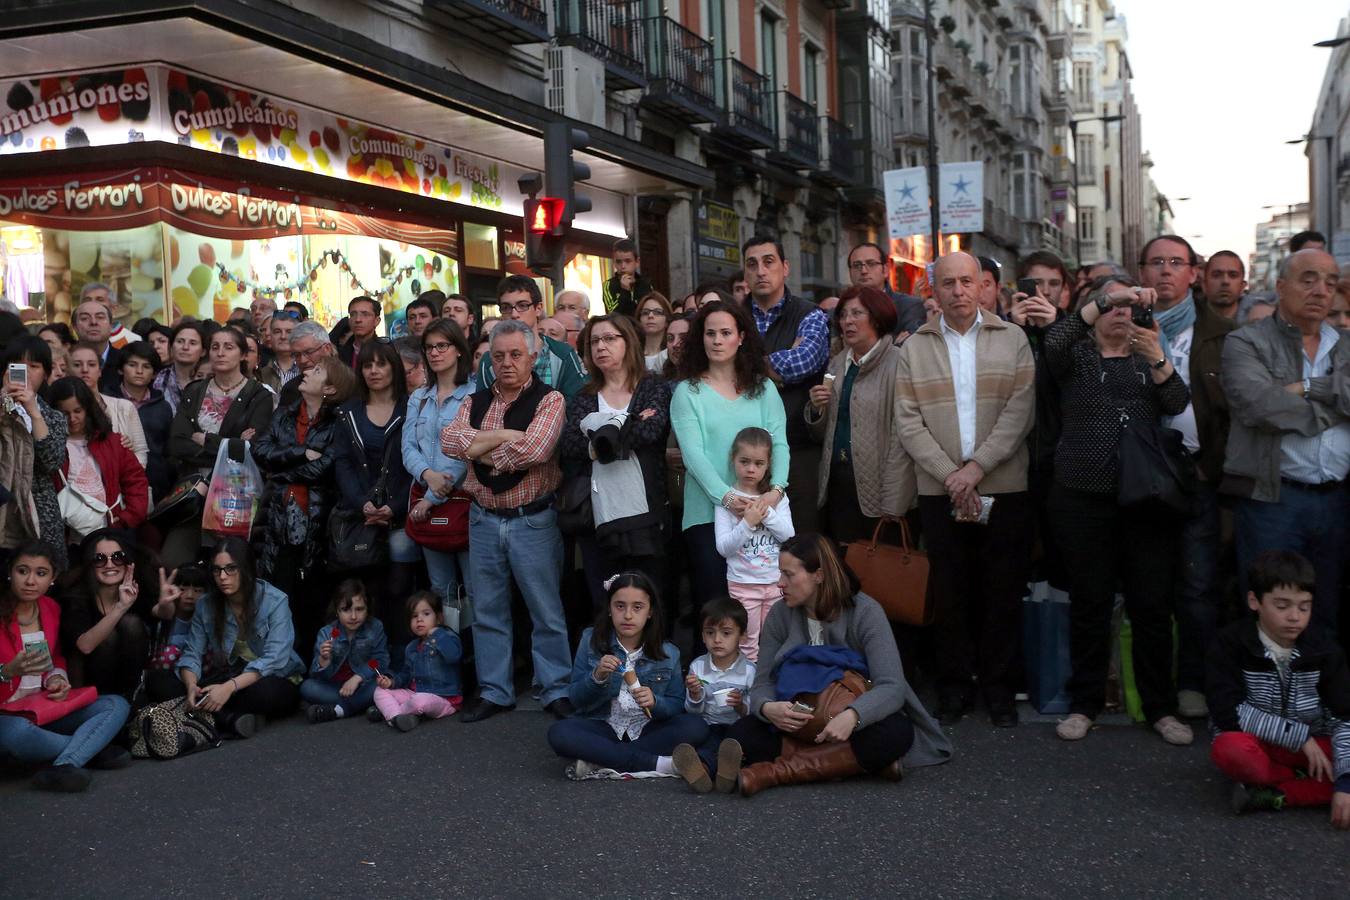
[1045,647]
[233,496]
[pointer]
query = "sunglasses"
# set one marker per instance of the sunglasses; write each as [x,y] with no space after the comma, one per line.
[286,314]
[117,558]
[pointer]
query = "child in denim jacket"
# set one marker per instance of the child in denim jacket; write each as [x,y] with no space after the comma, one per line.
[348,652]
[428,683]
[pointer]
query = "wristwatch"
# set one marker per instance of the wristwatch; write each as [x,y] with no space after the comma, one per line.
[4,679]
[1160,363]
[1307,387]
[1103,303]
[780,488]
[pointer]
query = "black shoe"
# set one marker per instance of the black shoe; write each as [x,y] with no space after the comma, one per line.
[561,708]
[64,779]
[320,712]
[374,715]
[110,757]
[406,722]
[482,709]
[1003,714]
[951,709]
[236,725]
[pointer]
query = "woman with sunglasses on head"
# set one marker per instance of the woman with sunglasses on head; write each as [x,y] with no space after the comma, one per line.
[108,608]
[431,409]
[239,661]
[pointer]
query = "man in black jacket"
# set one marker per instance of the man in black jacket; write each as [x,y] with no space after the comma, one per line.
[627,286]
[870,266]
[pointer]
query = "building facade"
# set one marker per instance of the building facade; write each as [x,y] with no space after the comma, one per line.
[1272,245]
[1327,146]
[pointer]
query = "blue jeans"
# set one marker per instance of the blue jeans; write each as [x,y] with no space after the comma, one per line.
[528,548]
[447,572]
[71,740]
[327,693]
[593,740]
[1307,522]
[707,751]
[1197,608]
[402,548]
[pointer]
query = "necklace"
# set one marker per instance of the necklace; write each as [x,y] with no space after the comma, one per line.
[31,619]
[231,388]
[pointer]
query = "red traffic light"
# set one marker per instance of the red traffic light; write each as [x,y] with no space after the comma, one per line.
[543,215]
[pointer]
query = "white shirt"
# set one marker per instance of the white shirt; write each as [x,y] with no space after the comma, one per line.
[1180,347]
[625,716]
[1322,457]
[752,552]
[961,353]
[740,675]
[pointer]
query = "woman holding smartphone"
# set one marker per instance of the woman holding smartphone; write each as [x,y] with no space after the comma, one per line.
[32,449]
[33,676]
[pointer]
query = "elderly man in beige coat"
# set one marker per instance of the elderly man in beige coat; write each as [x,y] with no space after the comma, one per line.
[966,401]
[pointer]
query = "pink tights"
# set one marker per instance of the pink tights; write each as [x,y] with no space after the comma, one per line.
[397,701]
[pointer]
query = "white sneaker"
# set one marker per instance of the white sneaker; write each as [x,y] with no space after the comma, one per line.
[1174,731]
[1191,705]
[1074,728]
[581,770]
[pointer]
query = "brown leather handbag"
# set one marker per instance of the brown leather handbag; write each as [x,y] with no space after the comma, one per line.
[829,703]
[895,577]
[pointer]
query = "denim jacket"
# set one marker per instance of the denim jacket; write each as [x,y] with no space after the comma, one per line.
[425,420]
[661,675]
[431,665]
[369,643]
[271,641]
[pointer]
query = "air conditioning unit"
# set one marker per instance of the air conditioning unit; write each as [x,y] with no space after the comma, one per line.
[576,85]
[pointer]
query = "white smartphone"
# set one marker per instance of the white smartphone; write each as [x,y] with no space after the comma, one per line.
[18,374]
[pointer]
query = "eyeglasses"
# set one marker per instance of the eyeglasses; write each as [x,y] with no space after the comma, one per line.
[522,306]
[653,312]
[605,339]
[306,354]
[865,264]
[439,347]
[117,558]
[1175,262]
[227,569]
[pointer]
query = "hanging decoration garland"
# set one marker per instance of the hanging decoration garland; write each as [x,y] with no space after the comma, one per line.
[287,288]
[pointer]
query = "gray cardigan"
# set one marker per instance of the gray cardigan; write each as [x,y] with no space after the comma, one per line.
[863,628]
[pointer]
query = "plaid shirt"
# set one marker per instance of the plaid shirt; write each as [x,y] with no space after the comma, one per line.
[796,364]
[535,453]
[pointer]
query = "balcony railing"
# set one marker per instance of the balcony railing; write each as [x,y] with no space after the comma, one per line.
[513,21]
[751,111]
[681,78]
[800,133]
[841,166]
[611,31]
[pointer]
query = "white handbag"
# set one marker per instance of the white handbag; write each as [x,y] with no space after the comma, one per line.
[81,513]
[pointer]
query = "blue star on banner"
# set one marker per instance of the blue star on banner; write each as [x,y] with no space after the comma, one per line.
[961,184]
[907,192]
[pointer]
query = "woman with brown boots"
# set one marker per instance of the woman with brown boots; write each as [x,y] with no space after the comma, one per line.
[814,714]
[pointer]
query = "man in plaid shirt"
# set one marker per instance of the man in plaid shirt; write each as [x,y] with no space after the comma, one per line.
[508,433]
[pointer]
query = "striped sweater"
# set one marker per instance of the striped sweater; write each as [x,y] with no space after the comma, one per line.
[1005,404]
[1246,692]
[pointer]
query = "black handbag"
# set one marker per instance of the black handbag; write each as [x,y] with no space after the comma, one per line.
[352,543]
[185,503]
[574,505]
[1154,467]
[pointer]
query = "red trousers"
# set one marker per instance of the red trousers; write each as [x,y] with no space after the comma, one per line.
[1244,757]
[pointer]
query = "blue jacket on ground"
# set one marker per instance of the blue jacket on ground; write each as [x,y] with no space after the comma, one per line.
[271,638]
[431,664]
[661,675]
[808,669]
[368,643]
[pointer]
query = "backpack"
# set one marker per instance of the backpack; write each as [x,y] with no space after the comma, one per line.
[171,729]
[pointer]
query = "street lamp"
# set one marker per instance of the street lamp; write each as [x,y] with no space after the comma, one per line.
[1078,212]
[1332,204]
[1333,42]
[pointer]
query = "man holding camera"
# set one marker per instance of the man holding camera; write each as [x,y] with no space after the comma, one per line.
[1193,336]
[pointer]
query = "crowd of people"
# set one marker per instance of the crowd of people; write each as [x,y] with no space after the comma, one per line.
[599,483]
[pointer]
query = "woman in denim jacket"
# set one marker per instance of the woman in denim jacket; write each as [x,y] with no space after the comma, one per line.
[239,661]
[627,689]
[349,652]
[431,408]
[427,684]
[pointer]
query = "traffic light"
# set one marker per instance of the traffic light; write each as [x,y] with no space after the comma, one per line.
[548,218]
[561,172]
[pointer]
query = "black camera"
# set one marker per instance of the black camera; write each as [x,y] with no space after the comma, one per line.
[607,441]
[1141,315]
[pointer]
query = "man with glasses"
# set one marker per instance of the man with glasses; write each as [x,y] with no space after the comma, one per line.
[574,302]
[869,266]
[309,344]
[555,364]
[364,315]
[1192,338]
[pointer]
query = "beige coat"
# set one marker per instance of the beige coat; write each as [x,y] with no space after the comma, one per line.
[882,469]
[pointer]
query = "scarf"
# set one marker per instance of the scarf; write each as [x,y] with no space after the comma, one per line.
[1172,322]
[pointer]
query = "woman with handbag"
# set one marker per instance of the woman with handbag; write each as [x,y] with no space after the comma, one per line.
[1111,371]
[110,609]
[813,643]
[614,445]
[297,456]
[226,404]
[374,488]
[32,451]
[431,409]
[239,661]
[42,720]
[101,483]
[865,473]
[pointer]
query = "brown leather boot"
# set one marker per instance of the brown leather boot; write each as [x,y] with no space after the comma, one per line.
[806,763]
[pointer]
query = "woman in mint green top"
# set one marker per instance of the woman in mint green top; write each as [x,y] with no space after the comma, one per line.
[725,385]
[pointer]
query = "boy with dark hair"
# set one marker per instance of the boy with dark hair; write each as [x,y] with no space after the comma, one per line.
[717,688]
[627,284]
[1279,697]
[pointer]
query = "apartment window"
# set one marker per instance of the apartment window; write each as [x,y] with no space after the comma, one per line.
[1087,159]
[1015,76]
[1082,83]
[768,48]
[1082,13]
[1025,187]
[810,69]
[1087,223]
[1106,188]
[712,22]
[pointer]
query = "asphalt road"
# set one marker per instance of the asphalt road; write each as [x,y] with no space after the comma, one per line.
[352,809]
